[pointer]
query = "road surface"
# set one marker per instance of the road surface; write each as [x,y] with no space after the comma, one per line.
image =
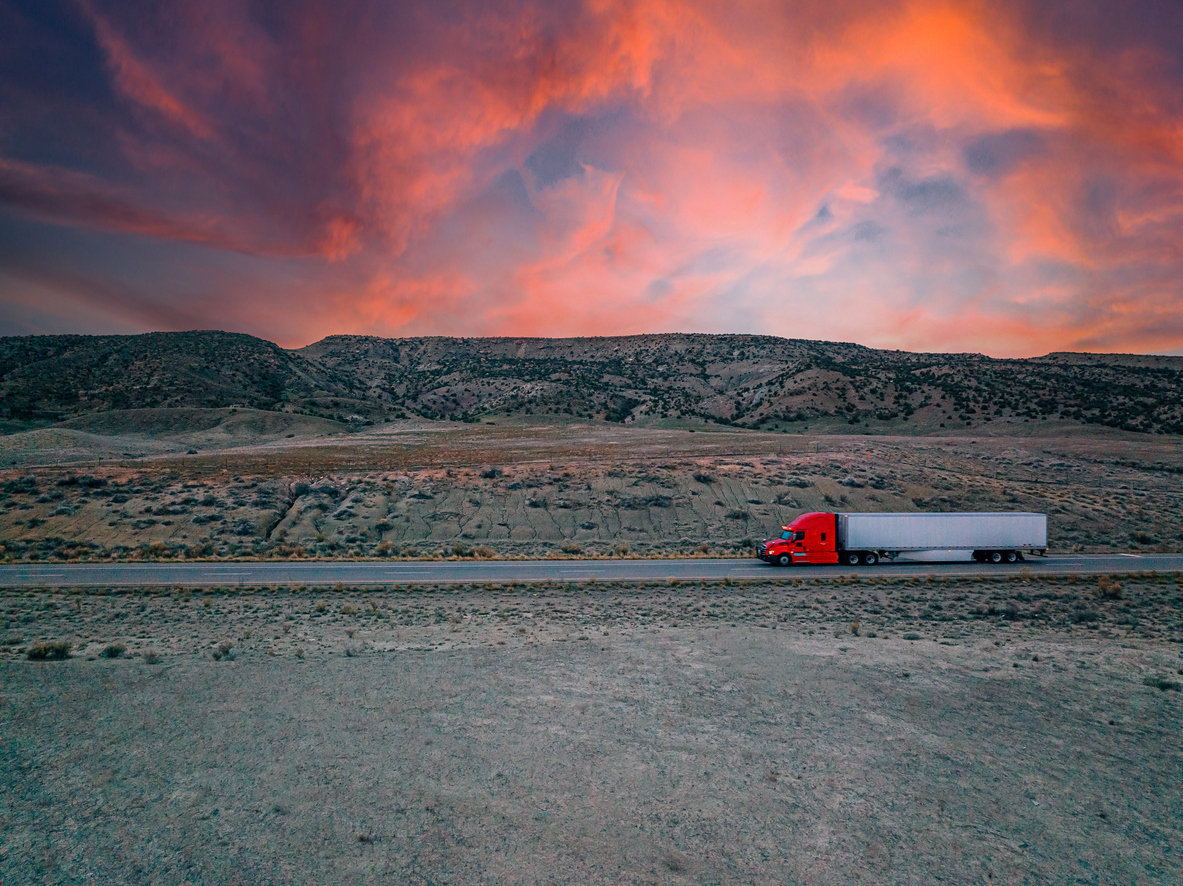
[455,571]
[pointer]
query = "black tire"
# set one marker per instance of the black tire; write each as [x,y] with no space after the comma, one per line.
[1011,556]
[783,560]
[994,556]
[870,558]
[853,558]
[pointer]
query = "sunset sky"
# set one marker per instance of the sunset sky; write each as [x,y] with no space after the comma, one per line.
[1000,177]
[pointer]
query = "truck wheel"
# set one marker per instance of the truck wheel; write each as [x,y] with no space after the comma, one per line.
[784,560]
[1011,556]
[853,558]
[870,558]
[994,556]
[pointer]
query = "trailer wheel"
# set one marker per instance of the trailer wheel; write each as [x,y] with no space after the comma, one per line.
[784,560]
[994,556]
[853,558]
[1011,556]
[870,558]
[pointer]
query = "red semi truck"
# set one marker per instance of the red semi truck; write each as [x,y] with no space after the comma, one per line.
[868,538]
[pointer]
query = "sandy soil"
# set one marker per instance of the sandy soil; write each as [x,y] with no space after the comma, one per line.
[986,731]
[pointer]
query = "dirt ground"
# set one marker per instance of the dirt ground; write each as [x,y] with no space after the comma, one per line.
[995,730]
[432,489]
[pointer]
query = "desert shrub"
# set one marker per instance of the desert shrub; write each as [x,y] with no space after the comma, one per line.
[737,514]
[151,656]
[26,485]
[484,552]
[49,651]
[702,477]
[1162,683]
[1108,588]
[491,474]
[572,548]
[222,650]
[114,650]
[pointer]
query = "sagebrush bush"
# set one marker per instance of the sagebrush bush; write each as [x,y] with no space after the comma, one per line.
[49,651]
[1108,588]
[114,650]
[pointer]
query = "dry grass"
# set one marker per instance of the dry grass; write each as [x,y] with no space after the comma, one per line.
[577,491]
[605,733]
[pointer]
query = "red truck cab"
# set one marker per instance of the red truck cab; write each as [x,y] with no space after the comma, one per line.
[811,538]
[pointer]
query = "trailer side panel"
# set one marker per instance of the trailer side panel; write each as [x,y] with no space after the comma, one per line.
[919,532]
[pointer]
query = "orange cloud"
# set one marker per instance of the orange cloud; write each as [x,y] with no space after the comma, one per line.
[940,174]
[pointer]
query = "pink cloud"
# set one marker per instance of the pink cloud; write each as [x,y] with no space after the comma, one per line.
[932,174]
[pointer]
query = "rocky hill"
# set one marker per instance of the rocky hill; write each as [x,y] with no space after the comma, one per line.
[739,380]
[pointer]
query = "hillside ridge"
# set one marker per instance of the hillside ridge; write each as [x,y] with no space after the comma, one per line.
[677,379]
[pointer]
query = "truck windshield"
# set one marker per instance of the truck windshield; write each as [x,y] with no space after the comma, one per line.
[792,536]
[786,536]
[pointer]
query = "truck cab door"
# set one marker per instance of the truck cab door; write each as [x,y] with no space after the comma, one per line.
[799,548]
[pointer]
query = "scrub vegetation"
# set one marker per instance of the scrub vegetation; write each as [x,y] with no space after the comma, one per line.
[858,729]
[664,380]
[530,491]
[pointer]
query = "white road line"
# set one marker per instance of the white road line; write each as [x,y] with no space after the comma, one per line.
[1135,556]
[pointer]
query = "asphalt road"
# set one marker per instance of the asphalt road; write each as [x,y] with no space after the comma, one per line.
[453,571]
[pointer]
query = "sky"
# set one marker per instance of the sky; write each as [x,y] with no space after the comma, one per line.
[1001,177]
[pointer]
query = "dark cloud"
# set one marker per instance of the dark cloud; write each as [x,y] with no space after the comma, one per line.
[925,195]
[544,167]
[999,152]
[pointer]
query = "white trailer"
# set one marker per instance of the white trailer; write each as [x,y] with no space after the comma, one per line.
[991,537]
